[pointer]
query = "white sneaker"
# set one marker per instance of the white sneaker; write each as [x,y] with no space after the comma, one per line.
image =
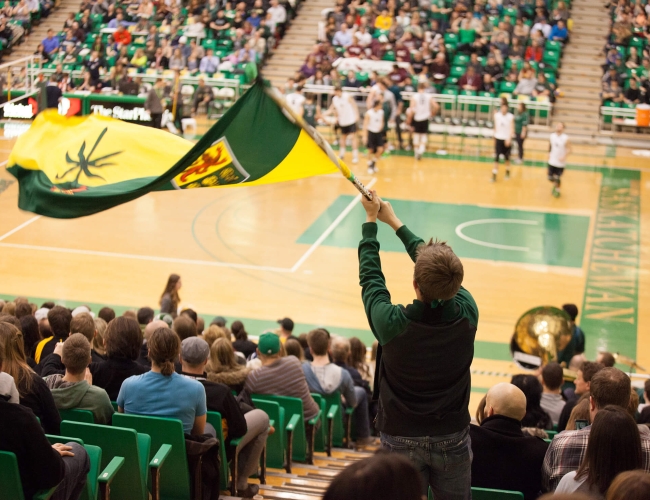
[341,153]
[355,159]
[391,147]
[371,170]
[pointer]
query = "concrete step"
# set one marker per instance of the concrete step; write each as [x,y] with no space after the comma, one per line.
[576,118]
[580,94]
[582,71]
[577,105]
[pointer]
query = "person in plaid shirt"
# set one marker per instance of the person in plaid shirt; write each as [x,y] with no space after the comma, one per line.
[610,386]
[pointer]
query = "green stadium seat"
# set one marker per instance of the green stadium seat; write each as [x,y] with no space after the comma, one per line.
[551,58]
[457,71]
[301,449]
[610,104]
[467,36]
[119,442]
[507,87]
[638,42]
[451,38]
[10,485]
[467,107]
[342,420]
[175,483]
[460,59]
[389,56]
[75,415]
[96,480]
[451,91]
[275,443]
[323,441]
[485,108]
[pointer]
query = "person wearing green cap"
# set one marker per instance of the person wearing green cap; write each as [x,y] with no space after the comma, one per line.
[422,379]
[282,376]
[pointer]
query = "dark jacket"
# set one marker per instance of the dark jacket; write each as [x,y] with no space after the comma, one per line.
[54,94]
[39,464]
[41,402]
[644,417]
[246,347]
[108,374]
[218,397]
[425,350]
[506,459]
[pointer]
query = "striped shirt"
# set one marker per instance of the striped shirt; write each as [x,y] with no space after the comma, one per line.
[567,449]
[283,378]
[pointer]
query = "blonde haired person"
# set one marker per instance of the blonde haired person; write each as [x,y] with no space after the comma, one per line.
[223,367]
[162,392]
[214,333]
[98,341]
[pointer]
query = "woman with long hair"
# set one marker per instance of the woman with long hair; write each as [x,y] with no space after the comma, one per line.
[358,359]
[33,391]
[532,389]
[162,392]
[170,300]
[31,334]
[241,343]
[223,367]
[614,446]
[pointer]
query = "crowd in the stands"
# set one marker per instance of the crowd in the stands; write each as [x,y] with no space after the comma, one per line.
[111,42]
[469,47]
[53,358]
[626,69]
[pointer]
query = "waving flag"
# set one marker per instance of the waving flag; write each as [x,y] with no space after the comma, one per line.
[72,167]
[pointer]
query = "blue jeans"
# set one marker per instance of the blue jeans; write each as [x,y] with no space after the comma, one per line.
[444,462]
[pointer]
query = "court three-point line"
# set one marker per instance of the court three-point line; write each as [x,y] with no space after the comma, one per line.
[331,228]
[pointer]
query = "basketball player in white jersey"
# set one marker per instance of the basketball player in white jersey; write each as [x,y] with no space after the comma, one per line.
[504,131]
[373,128]
[347,116]
[422,108]
[558,151]
[296,101]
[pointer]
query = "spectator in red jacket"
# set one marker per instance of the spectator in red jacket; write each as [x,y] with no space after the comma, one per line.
[534,53]
[122,36]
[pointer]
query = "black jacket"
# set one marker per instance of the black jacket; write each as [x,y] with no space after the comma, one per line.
[41,402]
[506,459]
[108,374]
[218,397]
[39,464]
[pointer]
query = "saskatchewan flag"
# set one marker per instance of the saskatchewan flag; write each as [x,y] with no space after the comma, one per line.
[71,167]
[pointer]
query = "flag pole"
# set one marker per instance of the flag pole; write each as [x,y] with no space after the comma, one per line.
[278,98]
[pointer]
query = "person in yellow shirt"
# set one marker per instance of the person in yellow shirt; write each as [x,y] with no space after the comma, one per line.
[384,21]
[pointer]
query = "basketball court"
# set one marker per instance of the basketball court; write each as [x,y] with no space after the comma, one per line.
[262,253]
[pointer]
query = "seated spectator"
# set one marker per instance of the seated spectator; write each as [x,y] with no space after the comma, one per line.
[644,409]
[32,392]
[610,76]
[559,32]
[382,476]
[357,360]
[535,52]
[630,485]
[505,458]
[535,417]
[606,359]
[439,68]
[633,93]
[384,21]
[579,413]
[470,80]
[209,63]
[74,390]
[351,80]
[610,386]
[324,377]
[614,446]
[582,385]
[343,37]
[224,368]
[293,348]
[50,44]
[122,36]
[59,319]
[543,88]
[41,465]
[139,59]
[184,327]
[220,25]
[252,427]
[542,26]
[241,343]
[552,401]
[278,375]
[493,68]
[162,392]
[202,95]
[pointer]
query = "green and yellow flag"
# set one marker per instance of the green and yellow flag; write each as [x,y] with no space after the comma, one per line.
[71,167]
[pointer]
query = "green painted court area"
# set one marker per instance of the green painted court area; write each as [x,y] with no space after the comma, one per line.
[487,233]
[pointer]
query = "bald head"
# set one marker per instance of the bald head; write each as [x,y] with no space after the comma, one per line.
[507,400]
[153,326]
